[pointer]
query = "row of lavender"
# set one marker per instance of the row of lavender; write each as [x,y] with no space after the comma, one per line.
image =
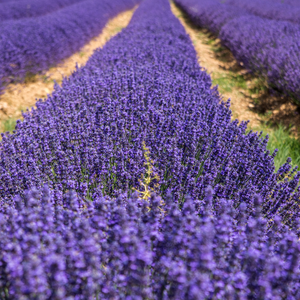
[142,109]
[288,2]
[269,9]
[34,44]
[31,8]
[268,47]
[5,1]
[129,248]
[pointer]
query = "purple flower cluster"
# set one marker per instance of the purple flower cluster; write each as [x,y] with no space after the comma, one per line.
[268,47]
[34,44]
[129,248]
[272,49]
[5,1]
[145,86]
[210,14]
[31,8]
[268,9]
[224,225]
[288,2]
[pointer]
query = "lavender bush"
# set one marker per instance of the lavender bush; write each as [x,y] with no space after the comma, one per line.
[129,248]
[269,9]
[34,44]
[145,87]
[210,14]
[141,115]
[5,1]
[268,47]
[288,2]
[271,49]
[31,8]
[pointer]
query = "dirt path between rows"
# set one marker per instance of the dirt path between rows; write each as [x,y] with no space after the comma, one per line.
[216,69]
[18,97]
[250,97]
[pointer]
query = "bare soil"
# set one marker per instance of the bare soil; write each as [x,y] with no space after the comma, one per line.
[20,96]
[251,98]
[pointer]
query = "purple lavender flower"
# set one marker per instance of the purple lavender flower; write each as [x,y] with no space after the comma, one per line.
[263,35]
[221,225]
[35,43]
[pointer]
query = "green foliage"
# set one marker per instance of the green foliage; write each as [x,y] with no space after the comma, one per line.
[229,82]
[148,177]
[118,29]
[9,125]
[287,145]
[218,49]
[224,83]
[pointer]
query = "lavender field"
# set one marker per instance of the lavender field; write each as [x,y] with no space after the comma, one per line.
[265,38]
[30,45]
[132,180]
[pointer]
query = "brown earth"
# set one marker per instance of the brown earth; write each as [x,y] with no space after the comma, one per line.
[18,97]
[251,99]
